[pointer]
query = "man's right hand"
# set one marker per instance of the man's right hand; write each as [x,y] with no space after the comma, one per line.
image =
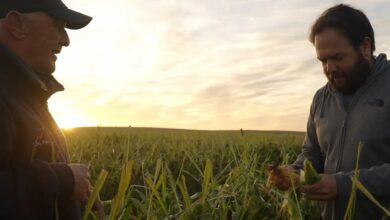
[82,185]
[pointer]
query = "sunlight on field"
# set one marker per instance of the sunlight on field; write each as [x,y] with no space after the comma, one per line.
[184,174]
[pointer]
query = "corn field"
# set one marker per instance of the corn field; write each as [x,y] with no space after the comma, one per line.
[148,173]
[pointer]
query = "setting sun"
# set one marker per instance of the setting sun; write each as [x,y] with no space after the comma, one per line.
[69,117]
[72,121]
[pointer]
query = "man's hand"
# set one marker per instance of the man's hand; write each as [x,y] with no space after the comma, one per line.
[82,185]
[99,208]
[325,189]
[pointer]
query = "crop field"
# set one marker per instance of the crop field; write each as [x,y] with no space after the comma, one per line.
[186,174]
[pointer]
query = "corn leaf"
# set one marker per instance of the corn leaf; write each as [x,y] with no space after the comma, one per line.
[208,172]
[364,190]
[95,193]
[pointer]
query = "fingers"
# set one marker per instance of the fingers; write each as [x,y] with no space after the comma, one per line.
[82,185]
[323,197]
[85,187]
[325,189]
[310,189]
[86,194]
[99,208]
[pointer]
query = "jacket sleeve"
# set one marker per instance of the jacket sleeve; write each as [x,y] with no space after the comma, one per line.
[376,179]
[34,183]
[311,148]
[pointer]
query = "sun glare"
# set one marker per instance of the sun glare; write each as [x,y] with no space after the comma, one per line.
[69,122]
[67,117]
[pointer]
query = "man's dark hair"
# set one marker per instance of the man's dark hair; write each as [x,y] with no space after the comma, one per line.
[351,22]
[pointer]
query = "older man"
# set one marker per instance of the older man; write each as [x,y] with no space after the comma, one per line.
[36,181]
[353,107]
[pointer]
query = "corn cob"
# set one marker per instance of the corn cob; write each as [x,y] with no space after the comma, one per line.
[283,177]
[309,175]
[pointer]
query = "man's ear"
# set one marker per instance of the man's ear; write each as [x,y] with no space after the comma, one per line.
[16,25]
[365,48]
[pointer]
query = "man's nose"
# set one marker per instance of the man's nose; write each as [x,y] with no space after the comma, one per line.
[64,41]
[330,66]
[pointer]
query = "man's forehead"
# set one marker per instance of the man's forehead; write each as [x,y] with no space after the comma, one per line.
[331,39]
[331,34]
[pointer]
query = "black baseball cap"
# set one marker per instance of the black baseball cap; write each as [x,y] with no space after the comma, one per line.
[55,8]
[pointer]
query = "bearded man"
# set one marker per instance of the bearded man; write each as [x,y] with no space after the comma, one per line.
[352,108]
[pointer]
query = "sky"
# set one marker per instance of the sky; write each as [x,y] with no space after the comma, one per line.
[196,64]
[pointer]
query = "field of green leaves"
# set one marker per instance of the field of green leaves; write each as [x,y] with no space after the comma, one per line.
[186,174]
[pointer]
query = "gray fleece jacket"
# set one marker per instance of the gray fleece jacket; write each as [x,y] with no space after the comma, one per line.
[333,134]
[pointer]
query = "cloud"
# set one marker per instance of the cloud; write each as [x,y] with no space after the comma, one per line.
[222,64]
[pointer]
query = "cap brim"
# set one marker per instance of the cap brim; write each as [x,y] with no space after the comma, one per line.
[74,19]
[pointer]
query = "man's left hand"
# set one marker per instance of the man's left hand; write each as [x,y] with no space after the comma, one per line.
[99,208]
[325,189]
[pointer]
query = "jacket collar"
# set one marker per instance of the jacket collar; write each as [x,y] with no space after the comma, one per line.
[45,85]
[381,64]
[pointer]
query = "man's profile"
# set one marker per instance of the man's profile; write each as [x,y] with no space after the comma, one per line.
[37,181]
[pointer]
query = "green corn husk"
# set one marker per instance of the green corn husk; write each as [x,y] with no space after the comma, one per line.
[291,205]
[309,174]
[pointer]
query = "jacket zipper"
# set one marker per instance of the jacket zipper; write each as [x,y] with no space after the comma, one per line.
[341,151]
[341,142]
[354,100]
